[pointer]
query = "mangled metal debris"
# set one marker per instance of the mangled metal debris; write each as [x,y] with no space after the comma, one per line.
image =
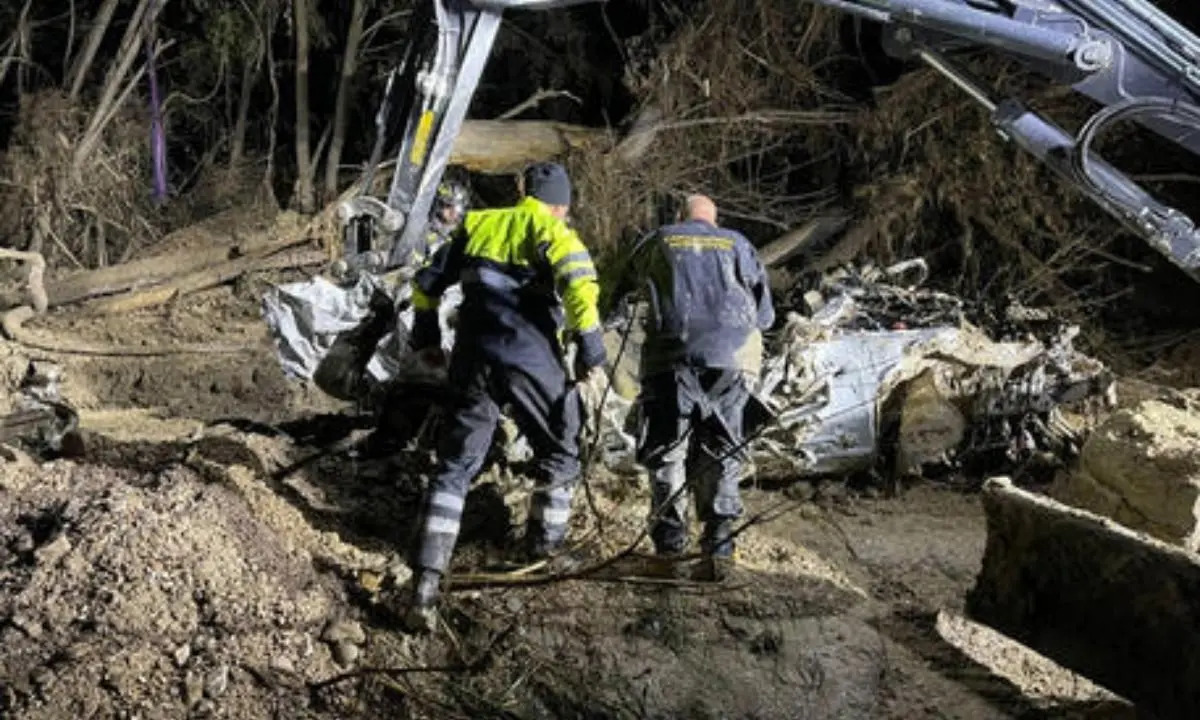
[868,366]
[38,417]
[350,338]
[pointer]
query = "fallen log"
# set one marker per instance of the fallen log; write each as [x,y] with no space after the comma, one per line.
[199,280]
[161,268]
[795,242]
[507,146]
[1114,605]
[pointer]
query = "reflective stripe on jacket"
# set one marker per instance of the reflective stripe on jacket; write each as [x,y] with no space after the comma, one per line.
[709,298]
[514,265]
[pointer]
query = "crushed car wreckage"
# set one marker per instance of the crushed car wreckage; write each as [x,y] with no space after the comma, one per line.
[869,371]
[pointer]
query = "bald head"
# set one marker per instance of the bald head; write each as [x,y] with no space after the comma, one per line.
[701,207]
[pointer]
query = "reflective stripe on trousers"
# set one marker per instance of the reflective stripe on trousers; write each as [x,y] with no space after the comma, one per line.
[546,410]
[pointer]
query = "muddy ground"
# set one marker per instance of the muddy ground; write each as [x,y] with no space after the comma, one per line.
[177,571]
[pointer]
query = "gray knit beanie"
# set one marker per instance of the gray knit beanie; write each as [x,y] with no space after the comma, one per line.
[549,183]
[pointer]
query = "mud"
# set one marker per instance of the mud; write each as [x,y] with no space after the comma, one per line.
[191,565]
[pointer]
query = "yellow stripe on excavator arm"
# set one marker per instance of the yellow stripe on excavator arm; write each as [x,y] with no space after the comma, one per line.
[421,138]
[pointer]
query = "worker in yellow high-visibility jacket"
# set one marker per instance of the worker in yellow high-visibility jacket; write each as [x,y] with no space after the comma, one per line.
[514,265]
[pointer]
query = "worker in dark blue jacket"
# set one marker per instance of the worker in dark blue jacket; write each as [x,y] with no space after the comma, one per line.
[514,265]
[709,304]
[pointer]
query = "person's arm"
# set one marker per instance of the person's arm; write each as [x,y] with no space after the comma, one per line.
[430,281]
[575,279]
[754,275]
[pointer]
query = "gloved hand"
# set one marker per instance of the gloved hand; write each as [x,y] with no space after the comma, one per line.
[592,387]
[590,353]
[426,331]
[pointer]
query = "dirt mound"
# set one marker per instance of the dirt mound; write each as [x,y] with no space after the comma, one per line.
[1142,469]
[135,594]
[206,386]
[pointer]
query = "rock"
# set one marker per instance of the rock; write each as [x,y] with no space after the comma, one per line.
[217,681]
[26,625]
[1141,467]
[344,631]
[181,654]
[54,551]
[193,688]
[398,573]
[345,653]
[1114,605]
[283,664]
[41,677]
[24,543]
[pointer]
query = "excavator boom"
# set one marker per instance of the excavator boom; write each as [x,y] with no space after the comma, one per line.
[429,93]
[1125,54]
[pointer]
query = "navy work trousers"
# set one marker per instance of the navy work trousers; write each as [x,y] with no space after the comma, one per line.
[547,411]
[692,427]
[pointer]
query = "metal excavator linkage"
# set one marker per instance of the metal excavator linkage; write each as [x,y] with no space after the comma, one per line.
[429,93]
[1125,54]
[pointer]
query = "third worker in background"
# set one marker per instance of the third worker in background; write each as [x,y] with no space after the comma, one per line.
[710,303]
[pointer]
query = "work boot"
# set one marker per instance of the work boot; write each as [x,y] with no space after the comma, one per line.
[422,613]
[717,542]
[669,562]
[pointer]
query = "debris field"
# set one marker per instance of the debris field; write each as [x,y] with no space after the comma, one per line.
[213,549]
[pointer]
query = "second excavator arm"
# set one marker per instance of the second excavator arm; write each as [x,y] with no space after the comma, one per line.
[1125,54]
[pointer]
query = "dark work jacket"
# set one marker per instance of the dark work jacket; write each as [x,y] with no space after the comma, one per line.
[709,297]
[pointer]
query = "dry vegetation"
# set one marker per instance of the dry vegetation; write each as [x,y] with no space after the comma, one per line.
[79,207]
[744,105]
[730,107]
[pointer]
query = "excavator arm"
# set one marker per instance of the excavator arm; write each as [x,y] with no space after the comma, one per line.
[425,100]
[1125,54]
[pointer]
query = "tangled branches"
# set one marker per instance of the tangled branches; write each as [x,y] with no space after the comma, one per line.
[749,103]
[87,209]
[731,108]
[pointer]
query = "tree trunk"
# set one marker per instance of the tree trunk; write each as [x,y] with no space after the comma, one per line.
[83,62]
[507,146]
[250,72]
[349,66]
[304,166]
[273,114]
[111,96]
